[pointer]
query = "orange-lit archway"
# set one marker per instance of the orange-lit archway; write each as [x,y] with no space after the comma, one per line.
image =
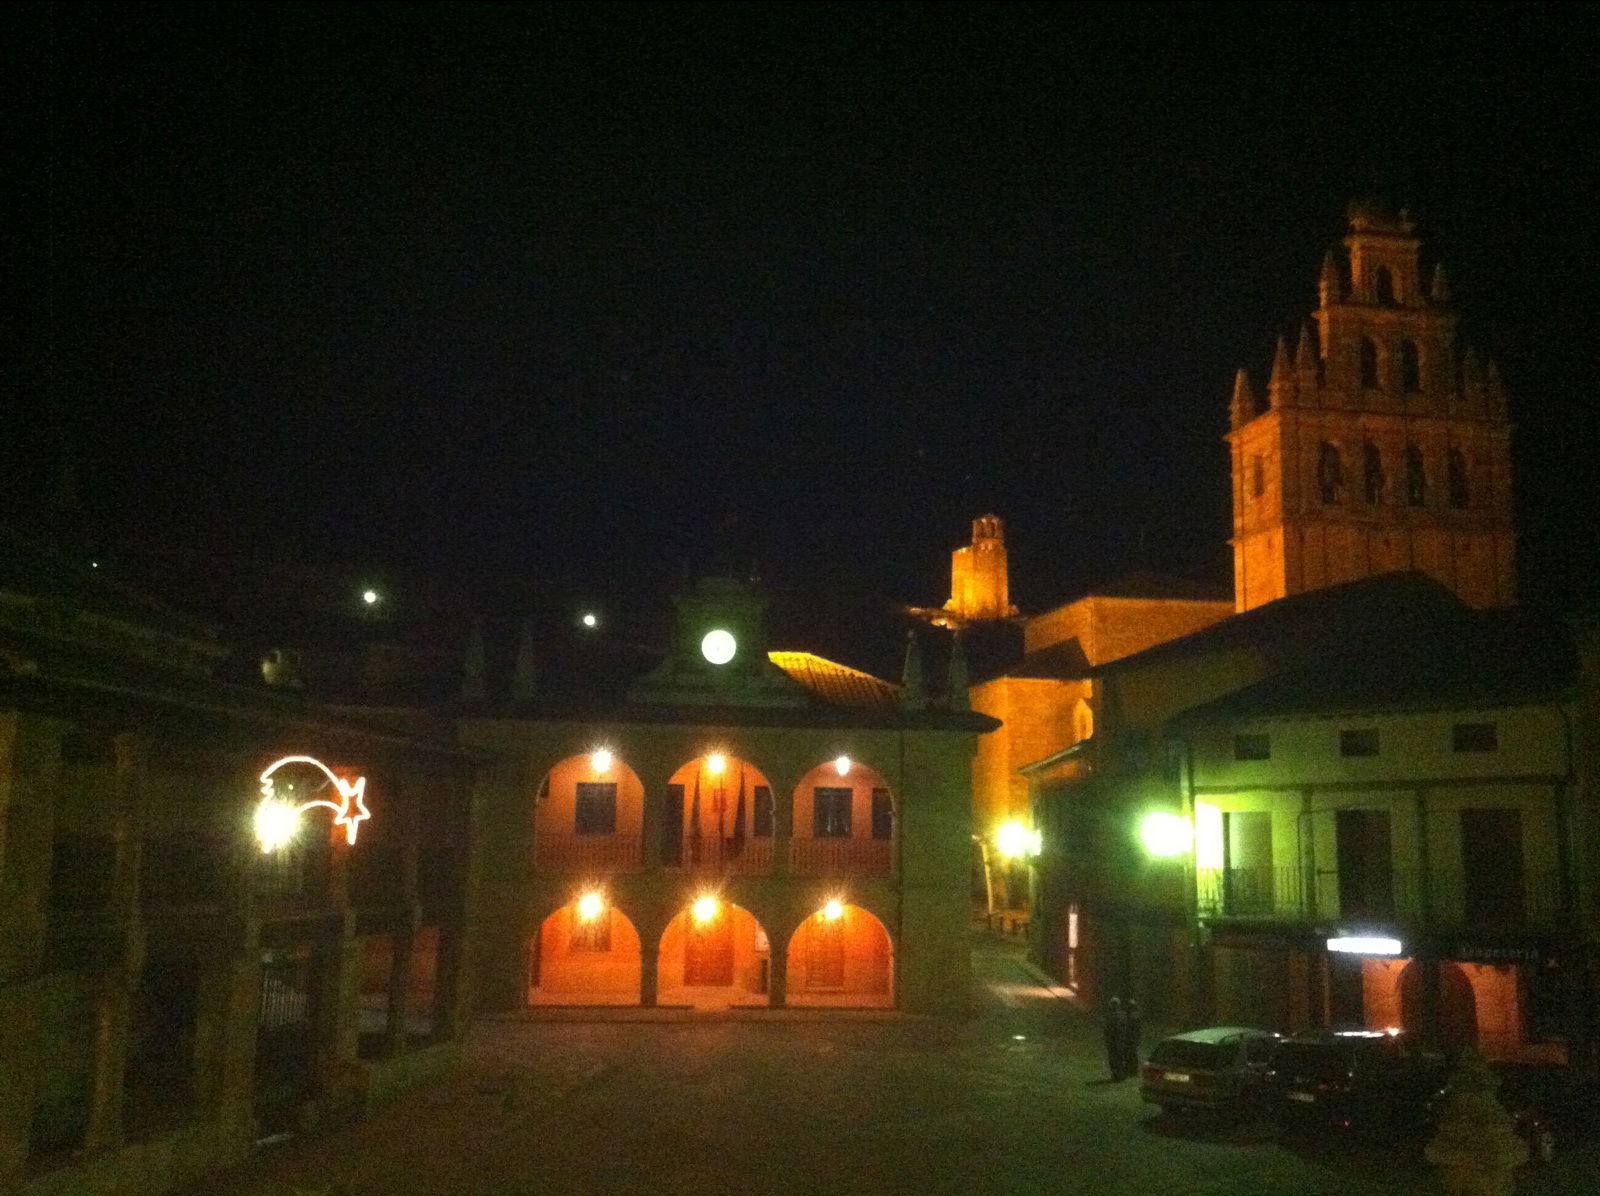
[585,953]
[841,955]
[589,816]
[713,954]
[719,816]
[844,821]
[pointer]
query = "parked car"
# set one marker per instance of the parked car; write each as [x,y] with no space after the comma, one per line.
[1221,1068]
[1371,1081]
[1550,1105]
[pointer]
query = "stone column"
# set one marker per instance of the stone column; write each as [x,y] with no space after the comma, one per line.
[649,971]
[778,971]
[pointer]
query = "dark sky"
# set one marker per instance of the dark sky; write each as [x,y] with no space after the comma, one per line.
[580,293]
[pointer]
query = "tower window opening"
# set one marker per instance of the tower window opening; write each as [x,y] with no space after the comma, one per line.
[1369,364]
[1410,368]
[1330,473]
[1383,285]
[1371,474]
[1258,476]
[1456,479]
[1416,477]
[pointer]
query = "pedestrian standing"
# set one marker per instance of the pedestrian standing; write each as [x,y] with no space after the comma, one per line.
[1114,1027]
[1131,1029]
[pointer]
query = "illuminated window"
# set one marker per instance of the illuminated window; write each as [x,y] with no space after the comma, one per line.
[1410,368]
[1253,746]
[1416,477]
[1371,474]
[1362,741]
[1456,479]
[761,825]
[596,809]
[592,934]
[830,812]
[1474,737]
[882,815]
[1369,364]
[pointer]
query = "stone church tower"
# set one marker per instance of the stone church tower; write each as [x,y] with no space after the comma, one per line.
[1383,445]
[979,585]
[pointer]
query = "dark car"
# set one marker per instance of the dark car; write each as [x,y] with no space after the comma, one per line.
[1373,1081]
[1221,1069]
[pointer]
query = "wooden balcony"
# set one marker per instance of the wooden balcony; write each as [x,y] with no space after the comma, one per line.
[841,857]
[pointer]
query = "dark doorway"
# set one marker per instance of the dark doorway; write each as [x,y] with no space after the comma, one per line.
[286,1018]
[1491,866]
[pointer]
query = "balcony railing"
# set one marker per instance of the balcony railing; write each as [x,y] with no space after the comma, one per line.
[1440,896]
[841,857]
[749,857]
[586,853]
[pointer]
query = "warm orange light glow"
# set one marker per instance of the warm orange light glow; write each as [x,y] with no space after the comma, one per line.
[705,909]
[833,911]
[349,811]
[600,760]
[715,763]
[842,766]
[590,907]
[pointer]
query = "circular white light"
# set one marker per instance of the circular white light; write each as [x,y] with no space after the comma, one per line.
[600,761]
[719,646]
[590,907]
[590,619]
[715,763]
[842,766]
[370,597]
[705,909]
[833,911]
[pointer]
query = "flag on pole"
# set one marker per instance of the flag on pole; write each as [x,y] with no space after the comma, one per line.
[694,810]
[738,817]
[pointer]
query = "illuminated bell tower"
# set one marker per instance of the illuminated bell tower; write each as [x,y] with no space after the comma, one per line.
[979,588]
[1384,444]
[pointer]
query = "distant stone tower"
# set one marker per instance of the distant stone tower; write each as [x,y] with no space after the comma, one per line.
[1384,445]
[979,588]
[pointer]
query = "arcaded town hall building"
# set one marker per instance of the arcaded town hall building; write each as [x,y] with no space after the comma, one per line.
[738,827]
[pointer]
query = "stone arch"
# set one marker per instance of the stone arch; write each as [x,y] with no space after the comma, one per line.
[1330,473]
[1457,486]
[719,812]
[1458,1006]
[713,956]
[1372,479]
[588,814]
[1410,367]
[844,822]
[842,955]
[578,955]
[1416,477]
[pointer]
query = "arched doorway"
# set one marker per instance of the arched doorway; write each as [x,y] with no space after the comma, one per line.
[584,953]
[841,955]
[713,954]
[1458,1007]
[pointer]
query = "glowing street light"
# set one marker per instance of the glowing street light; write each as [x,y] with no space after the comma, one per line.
[1015,840]
[275,824]
[718,646]
[370,597]
[833,911]
[590,907]
[704,909]
[715,763]
[1165,834]
[842,766]
[600,760]
[590,620]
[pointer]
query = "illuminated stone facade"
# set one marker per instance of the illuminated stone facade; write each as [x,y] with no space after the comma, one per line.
[1384,444]
[979,581]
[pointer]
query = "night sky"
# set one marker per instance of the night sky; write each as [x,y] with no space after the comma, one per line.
[586,295]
